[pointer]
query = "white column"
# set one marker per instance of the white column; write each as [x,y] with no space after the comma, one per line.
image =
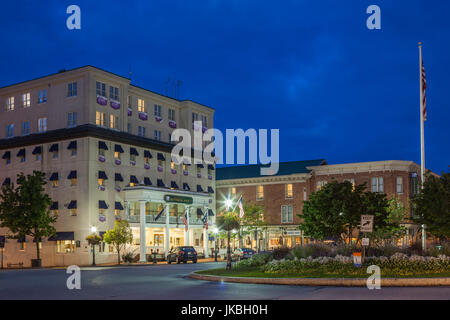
[127,210]
[143,243]
[166,247]
[205,238]
[186,233]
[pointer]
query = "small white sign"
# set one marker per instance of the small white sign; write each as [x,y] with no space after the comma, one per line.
[365,242]
[366,223]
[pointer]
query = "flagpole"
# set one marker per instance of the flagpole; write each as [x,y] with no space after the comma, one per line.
[422,140]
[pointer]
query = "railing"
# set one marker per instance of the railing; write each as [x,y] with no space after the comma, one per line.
[162,220]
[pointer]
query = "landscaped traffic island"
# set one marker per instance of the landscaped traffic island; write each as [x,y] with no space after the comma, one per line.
[399,269]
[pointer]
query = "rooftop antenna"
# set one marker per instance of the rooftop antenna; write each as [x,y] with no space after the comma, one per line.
[167,86]
[130,73]
[178,89]
[174,89]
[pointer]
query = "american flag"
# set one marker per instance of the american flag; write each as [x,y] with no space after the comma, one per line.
[159,214]
[241,207]
[185,221]
[424,95]
[205,220]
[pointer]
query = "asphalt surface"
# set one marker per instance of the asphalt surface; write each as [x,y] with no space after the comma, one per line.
[170,282]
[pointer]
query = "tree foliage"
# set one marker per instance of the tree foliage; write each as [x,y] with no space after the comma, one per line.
[432,205]
[335,211]
[119,236]
[24,210]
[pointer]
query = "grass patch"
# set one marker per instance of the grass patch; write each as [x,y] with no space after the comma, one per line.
[257,273]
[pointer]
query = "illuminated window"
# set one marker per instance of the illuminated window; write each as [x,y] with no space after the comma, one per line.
[289,191]
[73,212]
[65,246]
[320,185]
[173,165]
[113,122]
[101,182]
[10,104]
[55,183]
[100,118]
[141,105]
[233,191]
[26,99]
[22,245]
[259,192]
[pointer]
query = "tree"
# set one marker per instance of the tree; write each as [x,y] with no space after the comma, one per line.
[333,211]
[119,236]
[93,240]
[432,205]
[228,221]
[25,210]
[253,219]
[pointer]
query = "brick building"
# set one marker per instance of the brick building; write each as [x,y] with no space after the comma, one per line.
[282,195]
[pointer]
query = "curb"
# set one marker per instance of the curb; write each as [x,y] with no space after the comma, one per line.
[333,282]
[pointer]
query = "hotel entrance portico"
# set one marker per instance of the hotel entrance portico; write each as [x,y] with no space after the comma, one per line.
[156,219]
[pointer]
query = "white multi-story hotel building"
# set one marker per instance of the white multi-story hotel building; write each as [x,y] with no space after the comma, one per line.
[104,145]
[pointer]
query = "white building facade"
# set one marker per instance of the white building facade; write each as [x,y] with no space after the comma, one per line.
[105,146]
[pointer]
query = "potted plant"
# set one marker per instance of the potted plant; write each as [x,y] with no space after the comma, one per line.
[128,257]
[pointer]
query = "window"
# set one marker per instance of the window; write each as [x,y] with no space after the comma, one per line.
[22,245]
[100,118]
[129,127]
[73,211]
[259,192]
[377,184]
[194,117]
[10,130]
[129,101]
[289,191]
[157,110]
[114,122]
[72,89]
[352,181]
[304,194]
[71,119]
[141,105]
[10,104]
[172,114]
[55,183]
[114,93]
[173,166]
[204,121]
[141,131]
[65,246]
[42,124]
[399,184]
[42,96]
[25,128]
[233,191]
[320,185]
[157,135]
[100,88]
[26,100]
[286,214]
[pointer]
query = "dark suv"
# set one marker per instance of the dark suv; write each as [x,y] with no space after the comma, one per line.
[182,254]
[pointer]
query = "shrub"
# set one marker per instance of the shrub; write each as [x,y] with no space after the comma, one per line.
[346,249]
[280,253]
[256,260]
[128,257]
[383,250]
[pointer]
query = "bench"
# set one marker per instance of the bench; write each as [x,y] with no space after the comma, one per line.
[20,265]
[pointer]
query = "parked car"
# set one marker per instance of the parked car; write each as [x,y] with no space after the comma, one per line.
[182,254]
[243,253]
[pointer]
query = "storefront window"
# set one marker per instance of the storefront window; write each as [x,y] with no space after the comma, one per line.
[65,246]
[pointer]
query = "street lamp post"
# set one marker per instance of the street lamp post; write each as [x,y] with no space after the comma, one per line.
[215,231]
[93,230]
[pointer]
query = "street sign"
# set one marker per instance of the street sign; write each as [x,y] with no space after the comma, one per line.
[366,223]
[292,233]
[365,242]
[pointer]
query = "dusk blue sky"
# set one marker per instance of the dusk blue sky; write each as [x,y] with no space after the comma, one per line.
[335,89]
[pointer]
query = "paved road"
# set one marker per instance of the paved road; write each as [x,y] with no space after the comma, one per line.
[170,282]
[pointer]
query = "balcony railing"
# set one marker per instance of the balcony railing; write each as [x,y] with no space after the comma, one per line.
[162,220]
